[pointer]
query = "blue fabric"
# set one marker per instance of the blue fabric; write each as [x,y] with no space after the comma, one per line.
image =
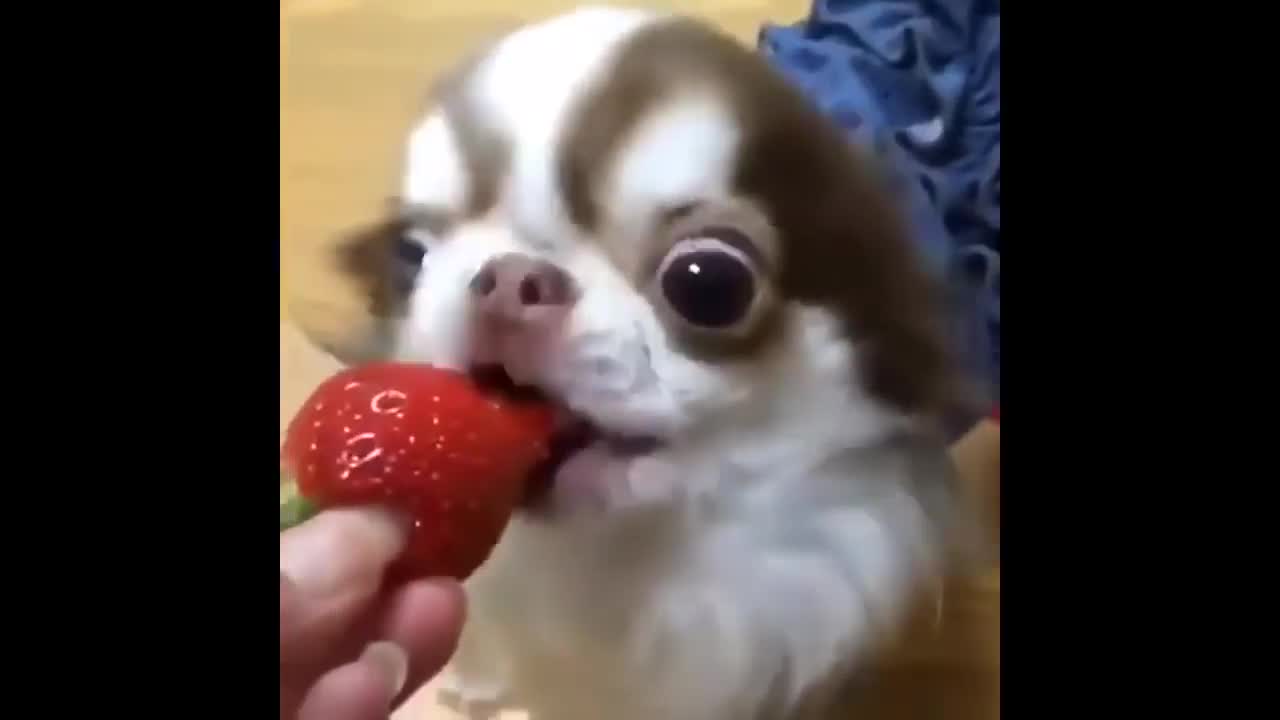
[918,83]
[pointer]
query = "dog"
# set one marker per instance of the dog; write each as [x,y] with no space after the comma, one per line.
[637,217]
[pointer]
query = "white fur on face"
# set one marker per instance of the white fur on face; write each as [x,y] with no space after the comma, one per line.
[752,558]
[613,361]
[436,174]
[438,330]
[683,152]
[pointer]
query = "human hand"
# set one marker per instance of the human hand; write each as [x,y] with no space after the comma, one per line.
[348,648]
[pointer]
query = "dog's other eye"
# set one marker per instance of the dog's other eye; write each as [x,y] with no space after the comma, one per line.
[407,257]
[709,282]
[409,251]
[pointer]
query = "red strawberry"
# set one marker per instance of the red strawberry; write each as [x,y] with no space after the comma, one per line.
[421,440]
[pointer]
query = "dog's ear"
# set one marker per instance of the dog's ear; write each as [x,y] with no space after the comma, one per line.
[365,258]
[847,248]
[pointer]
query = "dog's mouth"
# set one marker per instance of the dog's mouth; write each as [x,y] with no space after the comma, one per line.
[574,432]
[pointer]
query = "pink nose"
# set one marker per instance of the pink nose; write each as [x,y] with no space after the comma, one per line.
[521,290]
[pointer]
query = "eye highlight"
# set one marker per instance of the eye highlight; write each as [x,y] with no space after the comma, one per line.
[709,281]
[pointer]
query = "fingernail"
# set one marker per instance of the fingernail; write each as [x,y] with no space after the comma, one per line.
[340,548]
[391,661]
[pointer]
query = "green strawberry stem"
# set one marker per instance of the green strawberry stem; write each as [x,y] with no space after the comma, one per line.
[294,508]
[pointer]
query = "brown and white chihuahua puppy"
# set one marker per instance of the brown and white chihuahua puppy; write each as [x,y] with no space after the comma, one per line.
[633,214]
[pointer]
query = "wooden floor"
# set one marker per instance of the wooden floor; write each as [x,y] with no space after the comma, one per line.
[351,74]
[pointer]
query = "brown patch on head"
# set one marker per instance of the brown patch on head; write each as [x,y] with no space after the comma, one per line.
[842,245]
[647,73]
[485,151]
[638,79]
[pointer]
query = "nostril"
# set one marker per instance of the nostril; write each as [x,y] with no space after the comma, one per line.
[530,293]
[550,286]
[508,284]
[485,281]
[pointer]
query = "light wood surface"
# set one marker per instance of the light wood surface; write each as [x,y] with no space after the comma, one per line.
[351,74]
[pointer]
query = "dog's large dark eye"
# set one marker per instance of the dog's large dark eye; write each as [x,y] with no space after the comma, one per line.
[710,283]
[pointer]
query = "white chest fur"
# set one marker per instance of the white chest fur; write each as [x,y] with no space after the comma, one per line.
[709,611]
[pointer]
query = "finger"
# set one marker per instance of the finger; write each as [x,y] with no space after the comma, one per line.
[358,691]
[340,550]
[318,648]
[309,650]
[426,618]
[292,611]
[331,568]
